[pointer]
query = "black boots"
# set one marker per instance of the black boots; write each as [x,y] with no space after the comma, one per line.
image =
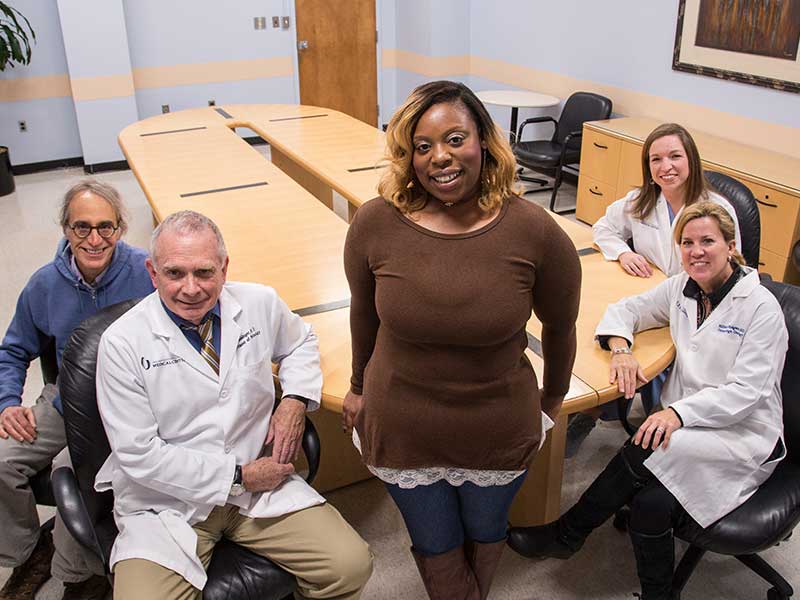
[609,492]
[655,563]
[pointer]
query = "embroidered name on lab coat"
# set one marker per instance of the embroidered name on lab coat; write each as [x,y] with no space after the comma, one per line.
[247,336]
[732,329]
[680,307]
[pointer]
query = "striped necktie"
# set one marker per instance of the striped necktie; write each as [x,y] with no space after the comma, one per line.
[205,329]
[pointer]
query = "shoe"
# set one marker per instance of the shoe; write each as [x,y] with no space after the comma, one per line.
[544,541]
[579,428]
[94,588]
[27,578]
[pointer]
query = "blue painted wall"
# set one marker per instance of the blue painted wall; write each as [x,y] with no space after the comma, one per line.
[52,123]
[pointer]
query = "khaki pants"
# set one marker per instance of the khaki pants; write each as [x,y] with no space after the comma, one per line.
[19,520]
[316,545]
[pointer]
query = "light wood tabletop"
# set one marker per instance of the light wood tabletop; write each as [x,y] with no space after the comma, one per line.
[279,230]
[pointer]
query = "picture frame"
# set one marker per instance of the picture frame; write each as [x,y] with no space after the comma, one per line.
[721,39]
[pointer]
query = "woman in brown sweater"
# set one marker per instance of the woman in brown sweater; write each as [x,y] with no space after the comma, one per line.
[444,271]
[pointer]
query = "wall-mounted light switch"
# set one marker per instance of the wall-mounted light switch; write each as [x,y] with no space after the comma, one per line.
[260,22]
[164,108]
[285,22]
[276,22]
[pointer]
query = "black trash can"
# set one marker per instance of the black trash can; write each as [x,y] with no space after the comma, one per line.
[6,176]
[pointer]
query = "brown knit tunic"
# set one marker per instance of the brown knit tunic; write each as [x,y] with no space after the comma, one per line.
[438,334]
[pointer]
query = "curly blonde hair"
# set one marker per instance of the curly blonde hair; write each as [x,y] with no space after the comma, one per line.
[399,185]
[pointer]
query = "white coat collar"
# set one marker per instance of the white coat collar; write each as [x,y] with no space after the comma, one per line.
[164,327]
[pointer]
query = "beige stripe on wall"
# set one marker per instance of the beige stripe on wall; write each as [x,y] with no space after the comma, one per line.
[34,88]
[213,72]
[115,86]
[101,88]
[746,130]
[430,66]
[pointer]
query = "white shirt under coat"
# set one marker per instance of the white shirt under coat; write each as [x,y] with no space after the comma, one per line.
[652,236]
[177,429]
[725,384]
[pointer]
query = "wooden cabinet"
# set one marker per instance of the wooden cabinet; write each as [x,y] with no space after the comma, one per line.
[611,167]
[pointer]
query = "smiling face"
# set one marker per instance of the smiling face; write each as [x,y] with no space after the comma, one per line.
[447,153]
[93,253]
[705,254]
[669,165]
[188,272]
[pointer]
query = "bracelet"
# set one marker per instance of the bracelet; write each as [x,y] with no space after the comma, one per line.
[621,351]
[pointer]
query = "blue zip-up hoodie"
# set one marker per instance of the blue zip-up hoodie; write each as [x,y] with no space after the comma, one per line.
[54,302]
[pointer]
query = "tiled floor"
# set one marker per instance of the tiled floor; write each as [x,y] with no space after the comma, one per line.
[603,570]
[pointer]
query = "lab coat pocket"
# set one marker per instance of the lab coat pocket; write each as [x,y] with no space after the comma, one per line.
[547,425]
[253,387]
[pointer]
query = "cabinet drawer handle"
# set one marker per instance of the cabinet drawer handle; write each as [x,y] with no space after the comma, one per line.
[600,146]
[595,193]
[766,203]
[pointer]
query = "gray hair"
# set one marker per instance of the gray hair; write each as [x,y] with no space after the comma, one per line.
[107,192]
[187,221]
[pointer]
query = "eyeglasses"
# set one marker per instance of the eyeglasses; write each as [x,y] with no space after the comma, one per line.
[84,230]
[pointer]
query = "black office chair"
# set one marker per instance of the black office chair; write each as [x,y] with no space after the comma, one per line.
[234,572]
[564,148]
[768,517]
[746,207]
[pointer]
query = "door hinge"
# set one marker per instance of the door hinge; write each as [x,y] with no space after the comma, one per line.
[376,36]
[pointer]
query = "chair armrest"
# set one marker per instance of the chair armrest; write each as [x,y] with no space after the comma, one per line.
[73,510]
[312,449]
[572,135]
[534,120]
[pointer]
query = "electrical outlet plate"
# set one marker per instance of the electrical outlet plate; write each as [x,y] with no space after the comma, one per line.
[23,126]
[164,108]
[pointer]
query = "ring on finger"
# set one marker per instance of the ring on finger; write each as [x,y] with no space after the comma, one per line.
[660,429]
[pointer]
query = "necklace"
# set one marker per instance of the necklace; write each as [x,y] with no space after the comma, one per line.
[448,204]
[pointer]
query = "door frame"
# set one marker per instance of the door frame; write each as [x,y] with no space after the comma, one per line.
[378,56]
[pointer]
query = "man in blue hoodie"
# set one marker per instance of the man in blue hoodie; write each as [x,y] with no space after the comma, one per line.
[92,269]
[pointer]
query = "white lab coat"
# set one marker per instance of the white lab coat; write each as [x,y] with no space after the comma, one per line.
[725,384]
[177,429]
[652,236]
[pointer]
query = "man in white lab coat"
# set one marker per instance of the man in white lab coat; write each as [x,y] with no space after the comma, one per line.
[185,391]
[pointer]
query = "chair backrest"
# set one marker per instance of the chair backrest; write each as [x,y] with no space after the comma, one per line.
[49,362]
[746,207]
[86,438]
[789,298]
[579,108]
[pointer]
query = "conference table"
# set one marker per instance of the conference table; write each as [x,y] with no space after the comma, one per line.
[279,227]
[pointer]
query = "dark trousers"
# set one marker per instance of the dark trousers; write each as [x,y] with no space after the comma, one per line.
[626,481]
[440,516]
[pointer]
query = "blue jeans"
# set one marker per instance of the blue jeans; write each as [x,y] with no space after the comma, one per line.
[440,516]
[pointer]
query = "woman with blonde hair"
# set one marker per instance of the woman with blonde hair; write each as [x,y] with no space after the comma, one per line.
[720,434]
[444,270]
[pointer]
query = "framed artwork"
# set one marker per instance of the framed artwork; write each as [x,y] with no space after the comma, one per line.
[752,41]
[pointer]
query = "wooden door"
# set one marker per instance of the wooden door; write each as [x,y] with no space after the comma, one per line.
[338,68]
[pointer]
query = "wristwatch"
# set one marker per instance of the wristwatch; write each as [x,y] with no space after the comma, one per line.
[237,487]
